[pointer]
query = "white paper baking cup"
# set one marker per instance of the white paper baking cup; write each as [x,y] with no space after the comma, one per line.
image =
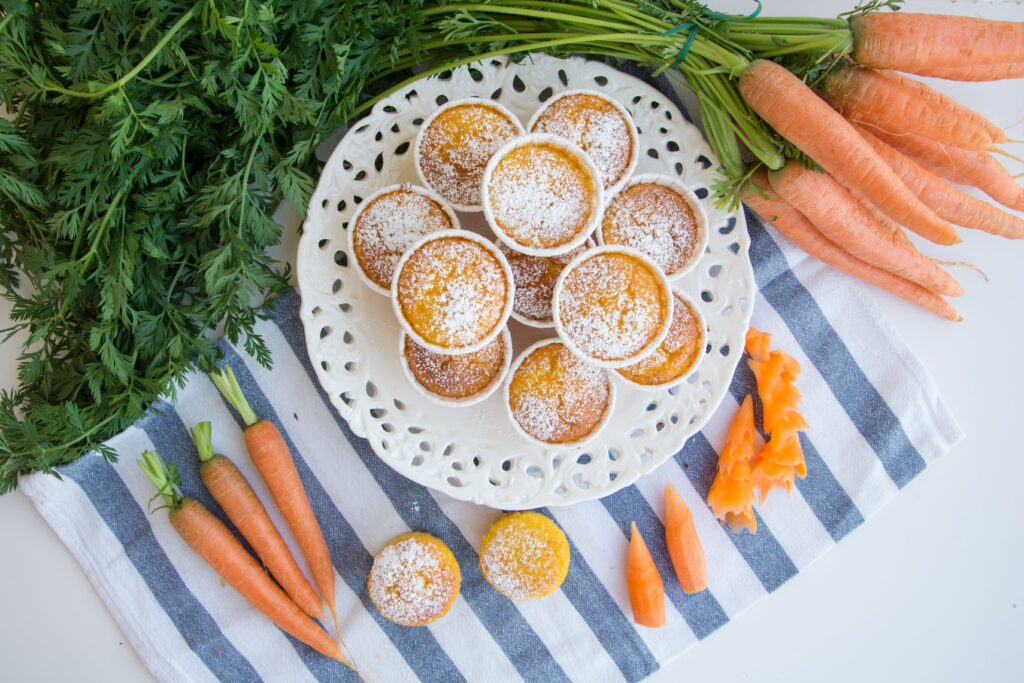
[450,105]
[596,199]
[531,322]
[634,138]
[699,215]
[354,223]
[509,292]
[701,345]
[506,339]
[530,437]
[649,348]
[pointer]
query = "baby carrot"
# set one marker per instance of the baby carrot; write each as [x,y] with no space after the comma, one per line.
[684,548]
[272,459]
[907,42]
[215,543]
[808,122]
[947,201]
[240,503]
[757,194]
[864,95]
[841,219]
[646,591]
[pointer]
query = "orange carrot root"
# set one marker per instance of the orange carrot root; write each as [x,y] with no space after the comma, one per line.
[646,591]
[731,497]
[684,547]
[975,72]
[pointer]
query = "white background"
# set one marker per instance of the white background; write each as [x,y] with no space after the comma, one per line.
[929,589]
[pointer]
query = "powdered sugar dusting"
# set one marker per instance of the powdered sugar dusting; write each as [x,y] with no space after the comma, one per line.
[535,278]
[655,220]
[524,559]
[677,353]
[556,396]
[459,376]
[410,584]
[540,196]
[455,147]
[389,225]
[452,292]
[595,126]
[612,306]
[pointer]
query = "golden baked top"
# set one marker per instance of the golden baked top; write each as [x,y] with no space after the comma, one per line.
[453,291]
[677,353]
[612,305]
[414,579]
[390,223]
[454,148]
[557,397]
[458,376]
[596,126]
[655,220]
[540,195]
[524,555]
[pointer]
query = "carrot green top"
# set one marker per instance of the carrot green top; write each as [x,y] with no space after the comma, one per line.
[228,386]
[165,477]
[201,435]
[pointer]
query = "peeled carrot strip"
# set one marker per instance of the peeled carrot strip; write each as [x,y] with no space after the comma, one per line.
[731,497]
[758,343]
[646,591]
[684,548]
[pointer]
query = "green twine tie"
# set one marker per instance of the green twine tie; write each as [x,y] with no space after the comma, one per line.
[694,26]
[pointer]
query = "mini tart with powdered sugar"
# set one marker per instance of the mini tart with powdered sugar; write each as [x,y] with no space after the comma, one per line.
[524,555]
[458,380]
[542,195]
[414,579]
[612,306]
[677,355]
[555,397]
[456,142]
[452,292]
[598,125]
[388,222]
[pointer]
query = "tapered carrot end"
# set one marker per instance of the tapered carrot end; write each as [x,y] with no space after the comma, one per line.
[646,591]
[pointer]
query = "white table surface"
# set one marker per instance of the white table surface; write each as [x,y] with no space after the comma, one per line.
[929,589]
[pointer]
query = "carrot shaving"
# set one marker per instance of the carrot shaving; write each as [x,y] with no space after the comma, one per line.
[781,460]
[758,343]
[731,497]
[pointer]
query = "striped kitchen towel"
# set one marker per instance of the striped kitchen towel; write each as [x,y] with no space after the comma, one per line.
[876,421]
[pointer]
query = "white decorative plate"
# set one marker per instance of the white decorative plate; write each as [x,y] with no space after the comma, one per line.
[473,453]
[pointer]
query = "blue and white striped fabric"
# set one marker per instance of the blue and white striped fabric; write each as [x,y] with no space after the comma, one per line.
[875,422]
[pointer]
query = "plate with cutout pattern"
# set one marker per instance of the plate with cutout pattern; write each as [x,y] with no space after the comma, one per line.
[473,453]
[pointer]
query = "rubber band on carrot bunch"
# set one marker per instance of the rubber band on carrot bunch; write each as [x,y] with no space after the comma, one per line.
[781,459]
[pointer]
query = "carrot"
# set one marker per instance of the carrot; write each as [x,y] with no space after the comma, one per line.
[240,503]
[945,200]
[215,543]
[967,167]
[909,42]
[757,343]
[684,548]
[863,95]
[796,227]
[731,497]
[808,122]
[646,591]
[883,220]
[841,219]
[975,72]
[776,377]
[929,93]
[270,455]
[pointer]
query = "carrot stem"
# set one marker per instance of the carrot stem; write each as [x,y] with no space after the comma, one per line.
[227,384]
[204,444]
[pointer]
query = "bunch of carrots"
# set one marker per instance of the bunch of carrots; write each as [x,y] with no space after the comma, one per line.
[287,599]
[888,147]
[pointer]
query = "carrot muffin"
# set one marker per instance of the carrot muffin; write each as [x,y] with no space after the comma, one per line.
[659,217]
[525,556]
[535,278]
[414,579]
[598,125]
[541,195]
[388,222]
[458,380]
[677,354]
[456,142]
[612,305]
[453,292]
[555,397]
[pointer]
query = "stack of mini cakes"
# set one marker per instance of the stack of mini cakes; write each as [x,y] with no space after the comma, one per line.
[579,244]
